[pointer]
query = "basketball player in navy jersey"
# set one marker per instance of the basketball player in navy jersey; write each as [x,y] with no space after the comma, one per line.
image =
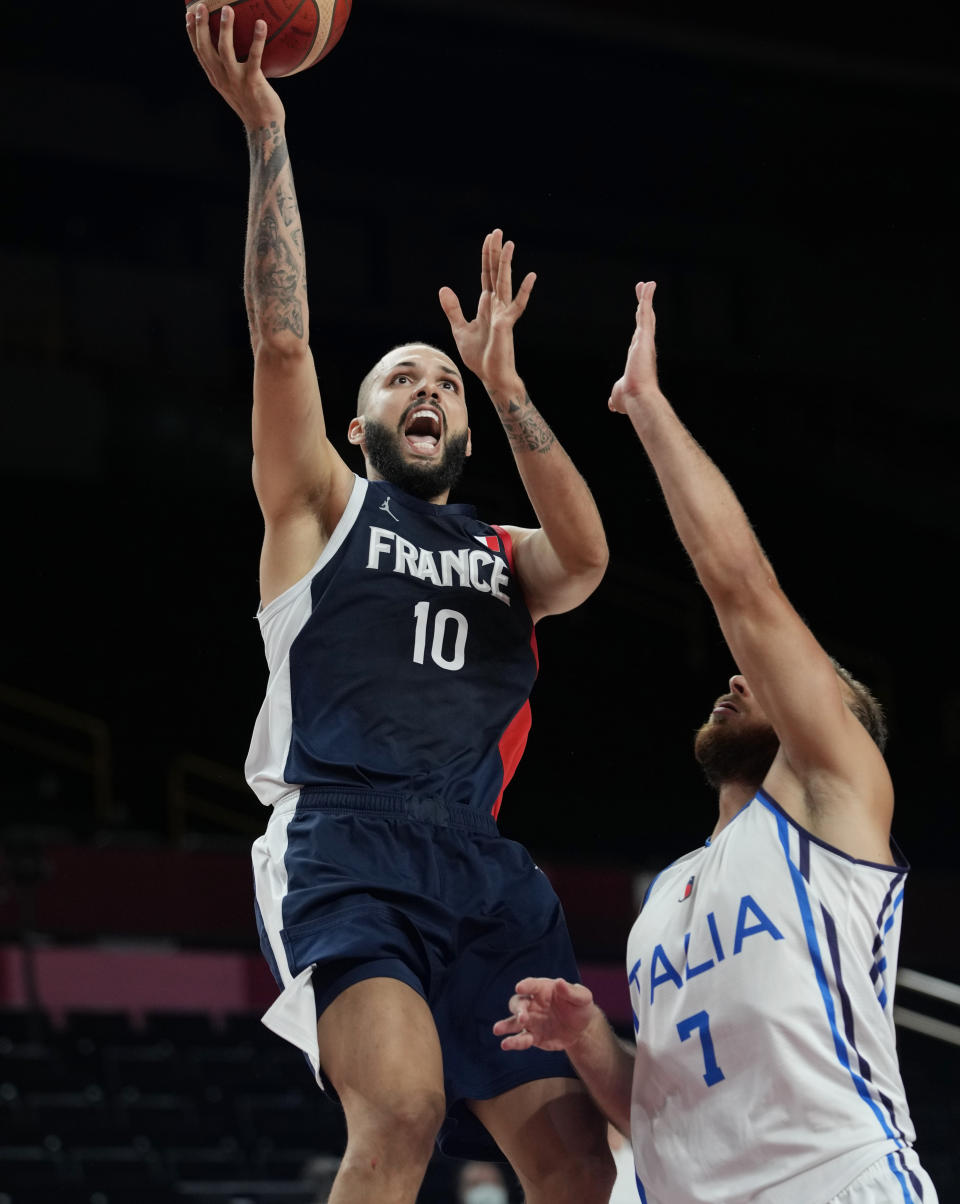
[761,967]
[399,633]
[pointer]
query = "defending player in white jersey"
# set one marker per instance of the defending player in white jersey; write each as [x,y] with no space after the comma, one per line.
[762,965]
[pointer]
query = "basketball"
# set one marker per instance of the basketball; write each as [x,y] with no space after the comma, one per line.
[299,32]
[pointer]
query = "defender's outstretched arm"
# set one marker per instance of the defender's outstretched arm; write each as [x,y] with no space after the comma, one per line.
[551,1013]
[842,777]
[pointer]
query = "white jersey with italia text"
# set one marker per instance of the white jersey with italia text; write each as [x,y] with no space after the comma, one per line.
[761,972]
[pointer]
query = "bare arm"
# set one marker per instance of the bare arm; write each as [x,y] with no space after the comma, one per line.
[828,769]
[561,562]
[551,1013]
[301,481]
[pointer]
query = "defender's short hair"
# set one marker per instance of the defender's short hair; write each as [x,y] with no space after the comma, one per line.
[865,706]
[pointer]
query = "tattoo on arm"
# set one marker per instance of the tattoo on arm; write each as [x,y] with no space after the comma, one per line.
[525,426]
[287,204]
[275,269]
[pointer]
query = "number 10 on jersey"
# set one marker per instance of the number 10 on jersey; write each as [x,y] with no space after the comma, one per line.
[446,632]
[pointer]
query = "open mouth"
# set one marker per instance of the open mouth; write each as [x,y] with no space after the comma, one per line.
[422,430]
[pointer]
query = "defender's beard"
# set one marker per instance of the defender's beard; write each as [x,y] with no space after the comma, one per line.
[735,754]
[424,480]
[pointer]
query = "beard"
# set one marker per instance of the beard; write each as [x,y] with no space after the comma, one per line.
[728,755]
[421,480]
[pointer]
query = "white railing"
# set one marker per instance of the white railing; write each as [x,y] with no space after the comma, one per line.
[934,988]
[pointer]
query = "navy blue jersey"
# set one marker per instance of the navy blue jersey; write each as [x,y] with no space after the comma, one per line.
[402,663]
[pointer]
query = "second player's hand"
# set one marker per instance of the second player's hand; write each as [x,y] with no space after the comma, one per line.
[640,371]
[549,1013]
[486,343]
[242,85]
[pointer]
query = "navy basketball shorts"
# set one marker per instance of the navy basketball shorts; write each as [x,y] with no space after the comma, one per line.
[357,886]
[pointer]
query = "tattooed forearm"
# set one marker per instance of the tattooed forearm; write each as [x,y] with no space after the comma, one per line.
[525,427]
[275,270]
[278,271]
[269,155]
[287,204]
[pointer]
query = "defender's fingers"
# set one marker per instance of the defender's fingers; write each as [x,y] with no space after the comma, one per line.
[645,290]
[646,318]
[573,994]
[574,991]
[613,401]
[638,289]
[650,290]
[517,1004]
[521,1041]
[527,988]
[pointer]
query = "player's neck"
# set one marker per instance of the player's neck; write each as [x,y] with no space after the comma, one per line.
[733,797]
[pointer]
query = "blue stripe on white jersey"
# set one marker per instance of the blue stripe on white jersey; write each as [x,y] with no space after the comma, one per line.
[829,1004]
[907,1171]
[884,924]
[898,1175]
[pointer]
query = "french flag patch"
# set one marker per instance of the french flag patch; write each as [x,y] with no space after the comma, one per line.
[687,891]
[489,541]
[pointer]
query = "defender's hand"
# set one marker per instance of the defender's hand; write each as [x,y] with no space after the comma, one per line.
[640,372]
[486,343]
[242,85]
[549,1013]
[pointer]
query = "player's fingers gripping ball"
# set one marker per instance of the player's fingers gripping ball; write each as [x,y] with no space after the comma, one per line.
[299,32]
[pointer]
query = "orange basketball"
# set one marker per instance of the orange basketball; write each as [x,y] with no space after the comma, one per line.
[299,32]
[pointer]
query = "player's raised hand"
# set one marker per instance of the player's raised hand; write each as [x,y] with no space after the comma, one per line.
[549,1013]
[242,85]
[640,372]
[486,342]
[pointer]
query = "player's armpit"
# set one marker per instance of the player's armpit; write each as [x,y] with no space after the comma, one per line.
[291,547]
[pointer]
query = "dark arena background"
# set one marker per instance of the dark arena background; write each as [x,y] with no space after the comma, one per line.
[790,182]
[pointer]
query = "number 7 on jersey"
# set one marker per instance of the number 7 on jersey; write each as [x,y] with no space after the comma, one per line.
[700,1022]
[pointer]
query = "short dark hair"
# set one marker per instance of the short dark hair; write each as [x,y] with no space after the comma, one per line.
[865,706]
